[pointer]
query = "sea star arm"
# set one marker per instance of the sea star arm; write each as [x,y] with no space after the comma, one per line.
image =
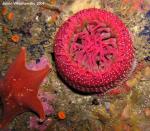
[1,86]
[19,69]
[36,76]
[10,112]
[34,104]
[18,64]
[19,72]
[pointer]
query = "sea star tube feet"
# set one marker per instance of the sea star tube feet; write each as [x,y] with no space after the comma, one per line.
[19,88]
[93,51]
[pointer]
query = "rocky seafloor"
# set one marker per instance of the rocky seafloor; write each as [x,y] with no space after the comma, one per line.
[36,26]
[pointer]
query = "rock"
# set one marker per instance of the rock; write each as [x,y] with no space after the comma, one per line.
[147,112]
[95,101]
[126,112]
[147,72]
[132,82]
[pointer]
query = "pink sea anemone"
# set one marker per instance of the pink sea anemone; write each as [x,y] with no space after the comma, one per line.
[93,51]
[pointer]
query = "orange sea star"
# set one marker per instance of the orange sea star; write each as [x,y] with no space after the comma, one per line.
[19,89]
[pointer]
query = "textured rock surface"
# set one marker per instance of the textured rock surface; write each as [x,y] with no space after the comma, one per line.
[97,113]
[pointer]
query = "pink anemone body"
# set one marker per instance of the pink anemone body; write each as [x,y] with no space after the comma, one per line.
[93,51]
